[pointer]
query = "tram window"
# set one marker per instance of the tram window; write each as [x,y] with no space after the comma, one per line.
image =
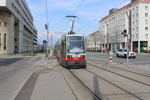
[75,45]
[63,48]
[75,38]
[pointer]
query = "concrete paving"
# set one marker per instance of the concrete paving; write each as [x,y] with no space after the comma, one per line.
[14,72]
[52,85]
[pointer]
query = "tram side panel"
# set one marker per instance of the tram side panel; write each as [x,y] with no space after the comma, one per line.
[63,53]
[57,50]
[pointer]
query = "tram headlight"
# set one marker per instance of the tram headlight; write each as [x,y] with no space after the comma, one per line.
[82,56]
[69,56]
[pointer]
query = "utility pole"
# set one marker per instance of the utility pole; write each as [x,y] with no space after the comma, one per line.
[47,28]
[129,28]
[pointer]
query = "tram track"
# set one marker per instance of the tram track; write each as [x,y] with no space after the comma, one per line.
[116,84]
[95,97]
[133,95]
[130,93]
[130,78]
[102,63]
[135,89]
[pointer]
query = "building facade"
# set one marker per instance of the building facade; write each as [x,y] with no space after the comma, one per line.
[35,42]
[93,41]
[134,19]
[17,32]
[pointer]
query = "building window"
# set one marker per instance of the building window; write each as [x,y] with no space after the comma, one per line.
[137,29]
[146,7]
[5,24]
[133,15]
[146,21]
[133,29]
[136,35]
[133,8]
[5,37]
[146,36]
[136,7]
[15,47]
[146,14]
[133,22]
[133,35]
[0,41]
[136,14]
[146,28]
[136,21]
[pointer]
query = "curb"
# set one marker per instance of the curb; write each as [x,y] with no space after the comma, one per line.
[20,87]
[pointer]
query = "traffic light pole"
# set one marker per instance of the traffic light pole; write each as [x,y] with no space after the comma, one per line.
[126,35]
[47,39]
[47,28]
[127,50]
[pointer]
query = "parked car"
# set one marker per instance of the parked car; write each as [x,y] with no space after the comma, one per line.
[123,53]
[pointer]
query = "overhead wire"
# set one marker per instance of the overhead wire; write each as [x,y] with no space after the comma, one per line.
[77,8]
[75,11]
[82,1]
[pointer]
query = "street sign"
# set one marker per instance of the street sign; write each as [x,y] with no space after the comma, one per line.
[110,53]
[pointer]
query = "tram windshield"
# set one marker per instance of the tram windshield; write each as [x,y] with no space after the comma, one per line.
[75,44]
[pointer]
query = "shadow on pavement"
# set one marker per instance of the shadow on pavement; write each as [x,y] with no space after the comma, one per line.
[97,88]
[8,61]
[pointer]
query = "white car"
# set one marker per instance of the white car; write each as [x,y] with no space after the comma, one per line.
[123,53]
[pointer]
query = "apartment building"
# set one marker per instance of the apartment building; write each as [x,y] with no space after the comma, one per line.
[93,41]
[35,42]
[135,19]
[17,32]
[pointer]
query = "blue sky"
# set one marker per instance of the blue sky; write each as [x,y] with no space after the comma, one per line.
[89,13]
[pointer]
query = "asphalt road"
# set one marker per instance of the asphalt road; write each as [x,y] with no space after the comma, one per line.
[140,60]
[14,70]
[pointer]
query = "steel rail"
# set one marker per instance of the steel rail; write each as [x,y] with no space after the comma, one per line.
[130,93]
[120,75]
[95,97]
[124,70]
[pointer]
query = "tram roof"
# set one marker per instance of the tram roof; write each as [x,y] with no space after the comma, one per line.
[71,35]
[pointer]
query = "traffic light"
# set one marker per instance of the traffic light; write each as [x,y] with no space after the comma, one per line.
[46,26]
[124,31]
[44,41]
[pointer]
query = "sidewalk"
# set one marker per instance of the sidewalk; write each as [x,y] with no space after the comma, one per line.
[52,85]
[4,56]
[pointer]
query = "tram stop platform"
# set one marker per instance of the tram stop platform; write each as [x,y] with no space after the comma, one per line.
[52,86]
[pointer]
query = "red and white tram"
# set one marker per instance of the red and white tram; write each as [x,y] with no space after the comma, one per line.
[70,51]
